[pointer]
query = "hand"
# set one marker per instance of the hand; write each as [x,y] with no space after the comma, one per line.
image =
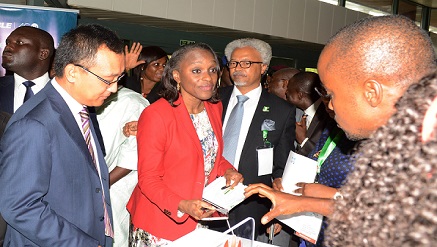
[315,190]
[277,184]
[197,209]
[283,203]
[301,130]
[232,175]
[132,55]
[130,128]
[277,228]
[234,242]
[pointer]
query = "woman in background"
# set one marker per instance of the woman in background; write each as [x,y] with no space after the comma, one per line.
[180,149]
[149,73]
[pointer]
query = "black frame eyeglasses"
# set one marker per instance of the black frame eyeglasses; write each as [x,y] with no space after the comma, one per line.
[322,93]
[109,83]
[243,64]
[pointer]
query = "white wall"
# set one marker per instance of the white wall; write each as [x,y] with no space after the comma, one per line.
[305,20]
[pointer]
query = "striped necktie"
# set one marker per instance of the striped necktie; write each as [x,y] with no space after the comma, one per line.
[85,118]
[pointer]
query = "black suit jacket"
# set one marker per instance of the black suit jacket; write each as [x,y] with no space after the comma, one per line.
[7,94]
[315,130]
[283,113]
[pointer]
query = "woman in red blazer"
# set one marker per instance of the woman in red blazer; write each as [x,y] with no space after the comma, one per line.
[180,149]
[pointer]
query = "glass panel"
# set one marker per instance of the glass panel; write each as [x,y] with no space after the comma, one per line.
[366,6]
[410,10]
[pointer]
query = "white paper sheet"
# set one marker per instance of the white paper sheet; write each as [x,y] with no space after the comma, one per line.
[301,169]
[223,199]
[265,161]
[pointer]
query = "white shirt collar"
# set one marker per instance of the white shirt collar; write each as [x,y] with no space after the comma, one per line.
[40,82]
[74,106]
[311,110]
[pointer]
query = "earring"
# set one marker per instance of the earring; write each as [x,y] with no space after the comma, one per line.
[141,78]
[178,87]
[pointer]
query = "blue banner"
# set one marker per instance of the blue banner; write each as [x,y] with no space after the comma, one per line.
[53,20]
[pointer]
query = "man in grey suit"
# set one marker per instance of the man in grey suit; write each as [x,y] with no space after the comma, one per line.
[53,178]
[268,121]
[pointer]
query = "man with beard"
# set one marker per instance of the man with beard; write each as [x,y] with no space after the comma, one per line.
[265,128]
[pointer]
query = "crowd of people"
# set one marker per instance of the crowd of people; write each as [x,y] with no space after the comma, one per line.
[116,148]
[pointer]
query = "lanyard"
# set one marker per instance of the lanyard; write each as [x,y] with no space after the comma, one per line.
[330,144]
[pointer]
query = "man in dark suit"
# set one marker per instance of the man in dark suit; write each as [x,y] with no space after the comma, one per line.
[248,61]
[54,180]
[28,54]
[301,92]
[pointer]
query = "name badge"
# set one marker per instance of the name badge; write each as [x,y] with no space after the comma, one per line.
[265,160]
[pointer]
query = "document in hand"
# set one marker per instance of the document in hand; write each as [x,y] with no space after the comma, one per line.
[301,169]
[221,197]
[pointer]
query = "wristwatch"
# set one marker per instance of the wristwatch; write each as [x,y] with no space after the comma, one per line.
[337,196]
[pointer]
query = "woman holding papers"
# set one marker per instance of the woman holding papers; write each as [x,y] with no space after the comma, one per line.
[180,149]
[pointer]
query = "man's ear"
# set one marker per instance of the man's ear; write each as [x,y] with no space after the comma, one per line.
[285,84]
[44,54]
[71,72]
[300,95]
[373,92]
[263,68]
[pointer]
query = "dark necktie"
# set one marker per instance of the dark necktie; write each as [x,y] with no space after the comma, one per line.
[85,118]
[29,92]
[232,131]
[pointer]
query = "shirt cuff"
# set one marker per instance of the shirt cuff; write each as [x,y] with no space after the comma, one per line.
[180,214]
[303,142]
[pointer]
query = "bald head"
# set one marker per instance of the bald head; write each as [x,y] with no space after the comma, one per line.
[278,83]
[368,65]
[390,47]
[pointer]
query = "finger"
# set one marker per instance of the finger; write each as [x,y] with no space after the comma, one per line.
[300,184]
[138,48]
[298,191]
[126,49]
[270,216]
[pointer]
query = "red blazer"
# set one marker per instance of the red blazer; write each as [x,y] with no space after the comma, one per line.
[171,167]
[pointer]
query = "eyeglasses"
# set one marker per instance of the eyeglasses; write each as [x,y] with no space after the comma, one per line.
[243,64]
[109,83]
[322,93]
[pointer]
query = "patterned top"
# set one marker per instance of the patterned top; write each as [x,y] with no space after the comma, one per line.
[207,138]
[337,166]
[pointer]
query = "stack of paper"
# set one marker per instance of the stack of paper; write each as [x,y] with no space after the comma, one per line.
[221,197]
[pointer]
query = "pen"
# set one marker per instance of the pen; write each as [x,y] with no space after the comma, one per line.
[225,187]
[271,233]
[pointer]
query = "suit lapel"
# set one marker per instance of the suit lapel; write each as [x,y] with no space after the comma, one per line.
[7,94]
[184,118]
[225,95]
[255,125]
[66,118]
[318,118]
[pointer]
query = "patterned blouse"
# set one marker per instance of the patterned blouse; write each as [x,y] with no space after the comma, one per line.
[207,138]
